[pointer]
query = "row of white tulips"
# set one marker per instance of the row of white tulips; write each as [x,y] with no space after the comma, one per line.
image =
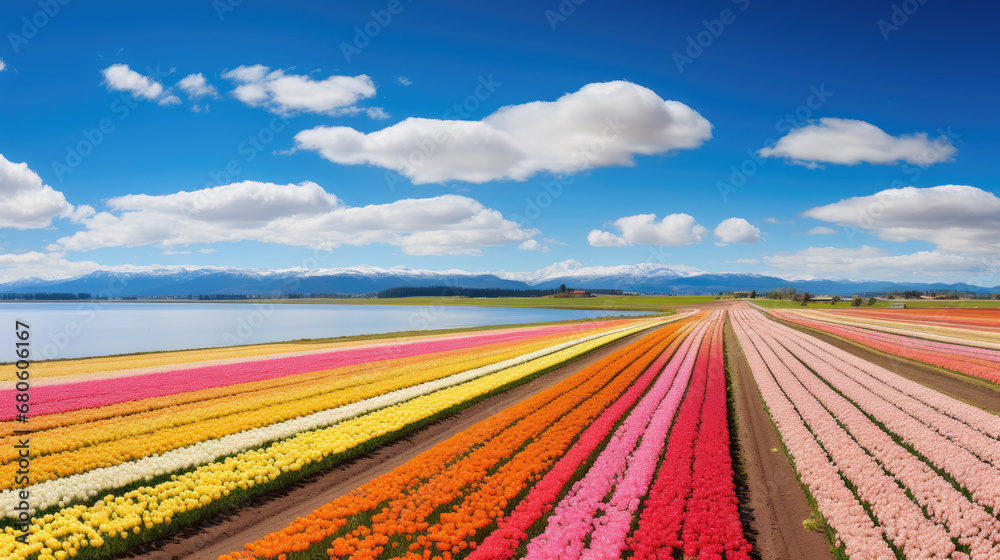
[88,485]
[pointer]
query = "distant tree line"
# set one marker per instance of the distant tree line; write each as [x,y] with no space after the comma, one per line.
[453,291]
[48,296]
[307,295]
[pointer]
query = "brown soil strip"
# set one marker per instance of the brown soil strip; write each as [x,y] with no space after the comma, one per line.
[777,502]
[970,390]
[225,533]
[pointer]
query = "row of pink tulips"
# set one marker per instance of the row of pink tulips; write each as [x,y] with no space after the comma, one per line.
[855,529]
[573,519]
[712,528]
[903,522]
[64,397]
[977,362]
[878,467]
[948,443]
[969,523]
[512,530]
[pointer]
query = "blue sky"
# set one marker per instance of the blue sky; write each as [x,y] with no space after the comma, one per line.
[290,149]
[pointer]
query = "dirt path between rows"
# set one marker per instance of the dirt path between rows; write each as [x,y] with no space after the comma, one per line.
[222,534]
[977,393]
[777,503]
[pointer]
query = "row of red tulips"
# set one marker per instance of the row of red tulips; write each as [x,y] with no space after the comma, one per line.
[436,504]
[977,362]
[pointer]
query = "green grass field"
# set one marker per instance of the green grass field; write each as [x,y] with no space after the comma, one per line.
[911,304]
[613,303]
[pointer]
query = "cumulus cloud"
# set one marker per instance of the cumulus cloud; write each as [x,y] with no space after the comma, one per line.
[821,230]
[2,66]
[42,265]
[27,203]
[532,245]
[289,94]
[196,86]
[953,217]
[672,231]
[599,238]
[849,142]
[777,221]
[601,125]
[298,215]
[120,77]
[868,263]
[736,230]
[404,81]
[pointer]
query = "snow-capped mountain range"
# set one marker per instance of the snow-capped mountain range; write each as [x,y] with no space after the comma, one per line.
[155,280]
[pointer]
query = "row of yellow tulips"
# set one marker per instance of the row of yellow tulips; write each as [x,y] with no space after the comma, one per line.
[83,528]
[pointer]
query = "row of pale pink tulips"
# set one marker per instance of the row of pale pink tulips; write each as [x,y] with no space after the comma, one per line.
[855,530]
[843,419]
[949,443]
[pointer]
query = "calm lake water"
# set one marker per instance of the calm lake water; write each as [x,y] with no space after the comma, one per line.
[82,329]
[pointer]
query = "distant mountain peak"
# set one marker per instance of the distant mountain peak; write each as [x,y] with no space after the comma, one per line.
[173,280]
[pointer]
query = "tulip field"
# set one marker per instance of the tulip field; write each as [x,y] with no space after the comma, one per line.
[117,459]
[897,469]
[629,456]
[630,453]
[962,340]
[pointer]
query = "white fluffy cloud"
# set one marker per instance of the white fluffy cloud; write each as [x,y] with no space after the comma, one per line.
[533,245]
[288,94]
[849,142]
[298,215]
[869,263]
[122,78]
[27,203]
[601,125]
[2,66]
[196,86]
[35,264]
[672,231]
[953,217]
[736,230]
[821,230]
